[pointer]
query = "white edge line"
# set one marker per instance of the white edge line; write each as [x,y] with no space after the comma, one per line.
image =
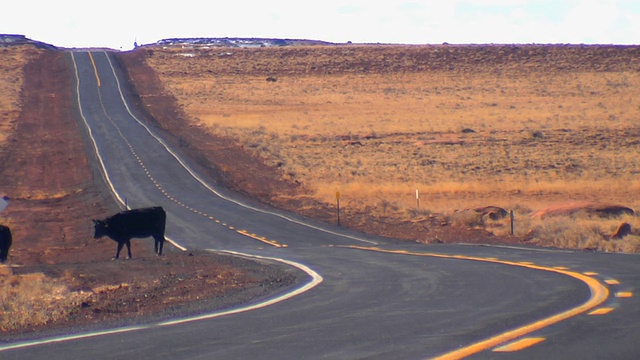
[220,195]
[316,279]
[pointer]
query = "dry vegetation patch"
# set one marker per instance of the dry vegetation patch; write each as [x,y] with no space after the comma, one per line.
[520,127]
[32,300]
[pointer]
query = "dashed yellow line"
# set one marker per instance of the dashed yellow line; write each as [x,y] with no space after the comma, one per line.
[624,294]
[242,232]
[601,311]
[153,180]
[261,239]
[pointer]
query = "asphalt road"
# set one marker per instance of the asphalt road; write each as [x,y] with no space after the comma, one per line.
[364,296]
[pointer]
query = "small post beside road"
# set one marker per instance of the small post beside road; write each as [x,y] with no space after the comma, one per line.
[417,199]
[338,205]
[512,216]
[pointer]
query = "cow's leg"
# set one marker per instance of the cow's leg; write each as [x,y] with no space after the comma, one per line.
[129,248]
[159,243]
[120,244]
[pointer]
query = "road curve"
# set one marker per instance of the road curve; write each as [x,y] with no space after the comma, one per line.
[363,296]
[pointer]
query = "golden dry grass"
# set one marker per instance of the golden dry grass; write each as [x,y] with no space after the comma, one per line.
[34,299]
[516,127]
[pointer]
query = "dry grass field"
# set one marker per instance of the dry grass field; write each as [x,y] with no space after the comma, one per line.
[519,127]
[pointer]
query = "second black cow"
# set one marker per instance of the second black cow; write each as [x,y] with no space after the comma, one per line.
[5,242]
[136,223]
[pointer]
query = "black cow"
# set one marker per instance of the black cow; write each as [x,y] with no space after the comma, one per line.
[5,242]
[136,223]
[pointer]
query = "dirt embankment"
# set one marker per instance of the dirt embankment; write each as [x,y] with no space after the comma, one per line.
[66,277]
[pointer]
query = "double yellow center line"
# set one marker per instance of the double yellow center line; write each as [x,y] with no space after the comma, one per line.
[599,294]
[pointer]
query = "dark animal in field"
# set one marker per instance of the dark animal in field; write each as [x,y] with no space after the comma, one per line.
[136,223]
[5,242]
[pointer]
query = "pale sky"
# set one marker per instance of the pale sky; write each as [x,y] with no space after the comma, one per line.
[118,23]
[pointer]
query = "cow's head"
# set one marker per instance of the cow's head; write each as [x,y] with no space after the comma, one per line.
[100,228]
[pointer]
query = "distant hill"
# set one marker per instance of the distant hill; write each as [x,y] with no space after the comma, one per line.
[238,42]
[15,39]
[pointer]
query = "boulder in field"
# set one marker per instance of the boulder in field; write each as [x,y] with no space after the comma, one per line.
[592,208]
[623,230]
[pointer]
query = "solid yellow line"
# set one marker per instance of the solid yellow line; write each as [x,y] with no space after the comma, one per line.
[519,345]
[95,68]
[599,293]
